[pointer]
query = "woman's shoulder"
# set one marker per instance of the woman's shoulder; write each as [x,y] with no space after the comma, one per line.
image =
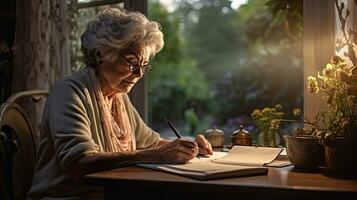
[78,82]
[79,78]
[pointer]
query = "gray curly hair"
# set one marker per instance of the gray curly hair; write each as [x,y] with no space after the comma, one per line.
[114,30]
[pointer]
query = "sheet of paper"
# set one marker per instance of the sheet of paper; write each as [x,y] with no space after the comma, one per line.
[250,155]
[216,155]
[205,169]
[203,164]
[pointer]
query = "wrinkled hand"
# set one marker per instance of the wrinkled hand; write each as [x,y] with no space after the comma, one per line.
[177,151]
[205,147]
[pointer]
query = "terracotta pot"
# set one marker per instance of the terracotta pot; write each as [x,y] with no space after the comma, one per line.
[304,152]
[341,155]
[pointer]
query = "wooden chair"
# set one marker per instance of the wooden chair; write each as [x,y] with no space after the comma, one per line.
[17,147]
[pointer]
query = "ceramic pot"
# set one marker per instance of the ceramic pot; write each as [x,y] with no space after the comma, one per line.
[340,155]
[304,152]
[215,136]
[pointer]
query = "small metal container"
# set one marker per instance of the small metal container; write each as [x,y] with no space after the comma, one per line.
[241,137]
[215,136]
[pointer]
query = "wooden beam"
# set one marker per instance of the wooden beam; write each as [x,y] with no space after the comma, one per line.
[97,3]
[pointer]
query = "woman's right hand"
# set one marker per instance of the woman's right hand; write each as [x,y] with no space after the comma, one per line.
[175,152]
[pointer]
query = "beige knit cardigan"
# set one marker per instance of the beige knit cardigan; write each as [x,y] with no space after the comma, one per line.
[70,130]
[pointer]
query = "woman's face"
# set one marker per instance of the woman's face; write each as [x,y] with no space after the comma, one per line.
[117,73]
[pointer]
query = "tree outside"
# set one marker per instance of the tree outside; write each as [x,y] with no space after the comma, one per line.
[219,63]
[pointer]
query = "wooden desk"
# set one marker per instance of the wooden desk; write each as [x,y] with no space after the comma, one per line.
[280,183]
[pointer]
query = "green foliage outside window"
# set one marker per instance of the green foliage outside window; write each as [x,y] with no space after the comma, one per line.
[229,61]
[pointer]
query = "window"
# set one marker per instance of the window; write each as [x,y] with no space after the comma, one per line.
[81,11]
[222,59]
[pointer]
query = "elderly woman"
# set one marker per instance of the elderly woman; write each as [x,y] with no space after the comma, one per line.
[89,123]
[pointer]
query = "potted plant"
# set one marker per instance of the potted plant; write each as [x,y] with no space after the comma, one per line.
[337,82]
[338,127]
[303,147]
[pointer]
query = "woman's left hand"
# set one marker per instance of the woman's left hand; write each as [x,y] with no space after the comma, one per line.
[205,147]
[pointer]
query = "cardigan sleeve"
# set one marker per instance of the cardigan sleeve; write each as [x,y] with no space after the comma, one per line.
[69,124]
[145,136]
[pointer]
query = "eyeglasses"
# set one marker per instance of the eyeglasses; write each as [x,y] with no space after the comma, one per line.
[136,67]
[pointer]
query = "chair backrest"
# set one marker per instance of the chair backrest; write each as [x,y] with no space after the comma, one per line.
[17,147]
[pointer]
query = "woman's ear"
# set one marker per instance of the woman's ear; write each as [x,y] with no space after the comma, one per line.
[98,57]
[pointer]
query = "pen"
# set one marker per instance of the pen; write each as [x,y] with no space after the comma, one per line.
[175,131]
[173,128]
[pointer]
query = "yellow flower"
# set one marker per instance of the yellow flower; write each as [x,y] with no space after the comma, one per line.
[256,114]
[274,124]
[327,72]
[312,84]
[278,106]
[296,112]
[266,110]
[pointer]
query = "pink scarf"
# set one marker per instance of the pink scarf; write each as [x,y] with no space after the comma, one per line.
[114,119]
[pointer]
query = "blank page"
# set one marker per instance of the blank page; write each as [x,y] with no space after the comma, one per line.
[207,167]
[250,155]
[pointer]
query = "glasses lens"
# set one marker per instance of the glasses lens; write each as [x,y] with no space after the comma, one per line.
[135,69]
[146,69]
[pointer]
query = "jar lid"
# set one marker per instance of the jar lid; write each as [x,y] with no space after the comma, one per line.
[241,132]
[214,131]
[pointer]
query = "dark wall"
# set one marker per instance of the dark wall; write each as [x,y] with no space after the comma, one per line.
[7,33]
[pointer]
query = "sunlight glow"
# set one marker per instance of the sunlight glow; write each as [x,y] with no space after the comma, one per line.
[169,4]
[237,3]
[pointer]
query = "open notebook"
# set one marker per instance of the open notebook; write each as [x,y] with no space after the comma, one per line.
[240,161]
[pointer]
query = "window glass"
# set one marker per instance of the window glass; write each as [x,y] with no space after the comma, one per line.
[223,59]
[78,21]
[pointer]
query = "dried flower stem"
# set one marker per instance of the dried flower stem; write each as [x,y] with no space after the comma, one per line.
[351,54]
